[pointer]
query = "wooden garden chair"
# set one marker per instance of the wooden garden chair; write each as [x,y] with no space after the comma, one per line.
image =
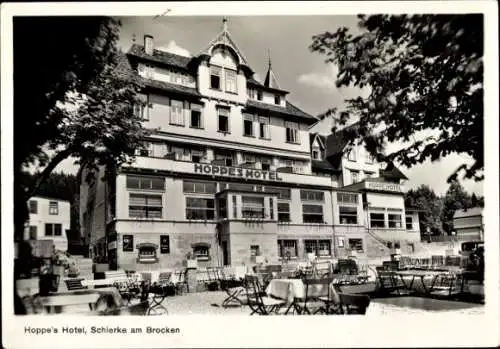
[258,301]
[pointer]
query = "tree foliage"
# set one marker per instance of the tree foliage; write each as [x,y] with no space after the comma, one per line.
[456,198]
[429,205]
[69,98]
[423,72]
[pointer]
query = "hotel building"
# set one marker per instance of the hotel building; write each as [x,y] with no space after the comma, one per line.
[232,171]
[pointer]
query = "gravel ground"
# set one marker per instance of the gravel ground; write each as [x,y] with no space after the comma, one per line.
[208,303]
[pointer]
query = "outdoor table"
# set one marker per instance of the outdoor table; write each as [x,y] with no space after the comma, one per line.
[55,301]
[294,290]
[102,282]
[422,274]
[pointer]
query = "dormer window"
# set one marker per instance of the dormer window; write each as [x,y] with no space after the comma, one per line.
[352,155]
[215,77]
[230,76]
[259,95]
[316,154]
[251,93]
[277,99]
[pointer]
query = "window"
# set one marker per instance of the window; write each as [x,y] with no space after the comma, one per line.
[226,158]
[283,212]
[394,220]
[292,132]
[33,232]
[147,253]
[145,150]
[264,127]
[409,223]
[231,82]
[312,195]
[347,198]
[377,220]
[141,108]
[197,156]
[222,209]
[348,214]
[33,206]
[281,193]
[259,95]
[53,208]
[320,248]
[241,186]
[271,208]
[352,155]
[201,251]
[128,243]
[199,187]
[252,207]
[287,248]
[254,250]
[251,93]
[265,164]
[356,245]
[223,119]
[149,71]
[248,125]
[277,99]
[164,244]
[148,183]
[53,229]
[200,208]
[215,77]
[145,206]
[316,154]
[176,113]
[312,213]
[249,159]
[196,120]
[354,176]
[369,159]
[235,207]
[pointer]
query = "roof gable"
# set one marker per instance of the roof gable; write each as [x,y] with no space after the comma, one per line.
[225,39]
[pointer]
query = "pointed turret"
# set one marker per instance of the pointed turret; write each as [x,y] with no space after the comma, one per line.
[271,80]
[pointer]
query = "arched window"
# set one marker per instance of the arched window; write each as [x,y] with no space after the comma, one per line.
[147,253]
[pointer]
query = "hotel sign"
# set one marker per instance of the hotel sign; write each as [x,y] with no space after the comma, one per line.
[236,172]
[391,187]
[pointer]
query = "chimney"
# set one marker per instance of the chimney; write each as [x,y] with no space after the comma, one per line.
[148,44]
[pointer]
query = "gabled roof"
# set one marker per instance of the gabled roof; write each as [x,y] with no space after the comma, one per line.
[474,211]
[162,57]
[392,172]
[271,81]
[323,165]
[224,38]
[321,139]
[125,69]
[290,109]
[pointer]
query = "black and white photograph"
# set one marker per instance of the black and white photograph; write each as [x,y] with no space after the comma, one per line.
[292,166]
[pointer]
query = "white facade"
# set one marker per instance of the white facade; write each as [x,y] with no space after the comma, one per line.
[49,219]
[230,171]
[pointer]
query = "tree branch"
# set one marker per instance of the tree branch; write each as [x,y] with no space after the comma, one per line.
[56,160]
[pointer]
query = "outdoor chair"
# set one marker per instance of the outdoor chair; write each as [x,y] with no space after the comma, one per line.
[179,281]
[447,285]
[354,303]
[317,299]
[388,284]
[74,284]
[212,283]
[258,301]
[233,287]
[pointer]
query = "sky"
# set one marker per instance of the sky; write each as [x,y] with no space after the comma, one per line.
[310,81]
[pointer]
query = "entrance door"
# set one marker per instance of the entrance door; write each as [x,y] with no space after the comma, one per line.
[225,259]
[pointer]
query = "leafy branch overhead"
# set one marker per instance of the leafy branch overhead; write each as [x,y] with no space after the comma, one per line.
[423,73]
[72,101]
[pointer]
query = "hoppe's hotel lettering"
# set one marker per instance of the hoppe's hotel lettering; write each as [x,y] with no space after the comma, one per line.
[233,169]
[236,172]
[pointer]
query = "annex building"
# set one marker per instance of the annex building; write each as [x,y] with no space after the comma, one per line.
[233,171]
